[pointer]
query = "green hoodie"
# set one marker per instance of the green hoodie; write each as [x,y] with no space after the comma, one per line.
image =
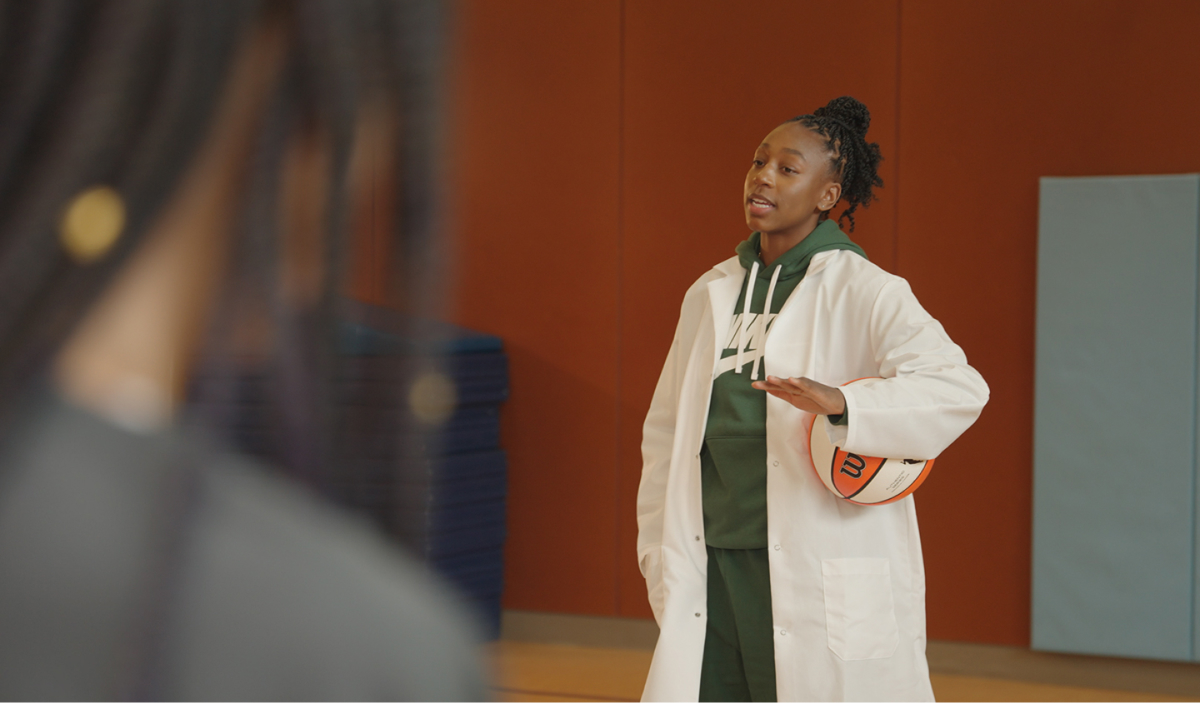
[733,460]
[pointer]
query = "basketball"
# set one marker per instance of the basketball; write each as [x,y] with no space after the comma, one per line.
[862,480]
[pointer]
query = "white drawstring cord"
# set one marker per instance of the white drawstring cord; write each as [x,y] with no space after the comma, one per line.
[746,314]
[762,325]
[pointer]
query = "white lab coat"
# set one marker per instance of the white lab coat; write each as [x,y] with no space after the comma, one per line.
[847,581]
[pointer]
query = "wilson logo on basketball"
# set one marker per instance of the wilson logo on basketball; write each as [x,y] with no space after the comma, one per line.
[853,465]
[852,473]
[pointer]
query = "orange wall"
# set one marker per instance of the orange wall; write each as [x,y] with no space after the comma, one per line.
[535,196]
[598,155]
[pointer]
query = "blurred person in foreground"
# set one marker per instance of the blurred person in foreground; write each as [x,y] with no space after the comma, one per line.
[175,177]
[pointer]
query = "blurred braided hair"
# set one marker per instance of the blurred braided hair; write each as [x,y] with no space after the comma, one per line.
[122,93]
[843,123]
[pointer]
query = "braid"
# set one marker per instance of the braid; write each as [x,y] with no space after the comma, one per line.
[843,124]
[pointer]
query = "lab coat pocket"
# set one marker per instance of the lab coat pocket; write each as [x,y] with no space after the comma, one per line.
[860,617]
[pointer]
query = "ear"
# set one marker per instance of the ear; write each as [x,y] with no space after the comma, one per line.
[833,193]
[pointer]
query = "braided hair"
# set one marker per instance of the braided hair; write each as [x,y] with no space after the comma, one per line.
[122,93]
[843,124]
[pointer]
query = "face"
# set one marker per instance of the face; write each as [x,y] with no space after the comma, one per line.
[789,183]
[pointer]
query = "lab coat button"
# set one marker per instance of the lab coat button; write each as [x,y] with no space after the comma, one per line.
[783,633]
[697,538]
[697,614]
[776,463]
[777,547]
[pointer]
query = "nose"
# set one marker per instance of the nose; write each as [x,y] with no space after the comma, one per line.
[763,176]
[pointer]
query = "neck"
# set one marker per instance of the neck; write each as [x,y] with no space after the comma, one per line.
[127,360]
[772,245]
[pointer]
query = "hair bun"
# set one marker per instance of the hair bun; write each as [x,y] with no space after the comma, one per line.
[848,111]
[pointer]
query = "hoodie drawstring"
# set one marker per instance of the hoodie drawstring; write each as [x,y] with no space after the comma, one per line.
[746,314]
[762,325]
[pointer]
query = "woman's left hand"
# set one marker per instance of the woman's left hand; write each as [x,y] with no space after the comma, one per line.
[806,394]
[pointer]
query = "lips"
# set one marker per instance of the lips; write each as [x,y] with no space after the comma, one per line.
[758,205]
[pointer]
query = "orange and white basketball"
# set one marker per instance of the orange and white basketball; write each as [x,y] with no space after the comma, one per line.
[863,480]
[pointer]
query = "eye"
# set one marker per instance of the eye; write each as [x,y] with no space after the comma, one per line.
[758,162]
[789,169]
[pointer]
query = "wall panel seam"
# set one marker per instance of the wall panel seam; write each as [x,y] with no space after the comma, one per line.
[617,425]
[896,156]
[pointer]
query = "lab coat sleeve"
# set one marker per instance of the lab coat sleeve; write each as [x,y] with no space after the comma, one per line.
[927,394]
[658,439]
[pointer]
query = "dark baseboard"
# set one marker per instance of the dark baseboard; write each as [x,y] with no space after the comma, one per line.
[579,630]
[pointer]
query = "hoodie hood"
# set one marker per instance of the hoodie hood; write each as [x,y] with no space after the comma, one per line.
[794,262]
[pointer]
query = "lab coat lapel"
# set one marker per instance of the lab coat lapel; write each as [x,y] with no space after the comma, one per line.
[722,295]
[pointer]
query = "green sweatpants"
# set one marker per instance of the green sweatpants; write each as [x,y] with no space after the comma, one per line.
[739,645]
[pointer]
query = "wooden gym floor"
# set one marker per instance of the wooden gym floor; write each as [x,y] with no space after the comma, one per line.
[543,657]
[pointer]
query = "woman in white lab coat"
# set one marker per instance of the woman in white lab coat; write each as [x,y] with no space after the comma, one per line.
[842,596]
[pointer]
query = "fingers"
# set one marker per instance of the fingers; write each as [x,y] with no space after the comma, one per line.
[807,386]
[804,393]
[775,388]
[799,386]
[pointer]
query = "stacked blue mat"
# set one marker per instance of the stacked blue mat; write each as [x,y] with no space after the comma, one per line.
[439,489]
[448,491]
